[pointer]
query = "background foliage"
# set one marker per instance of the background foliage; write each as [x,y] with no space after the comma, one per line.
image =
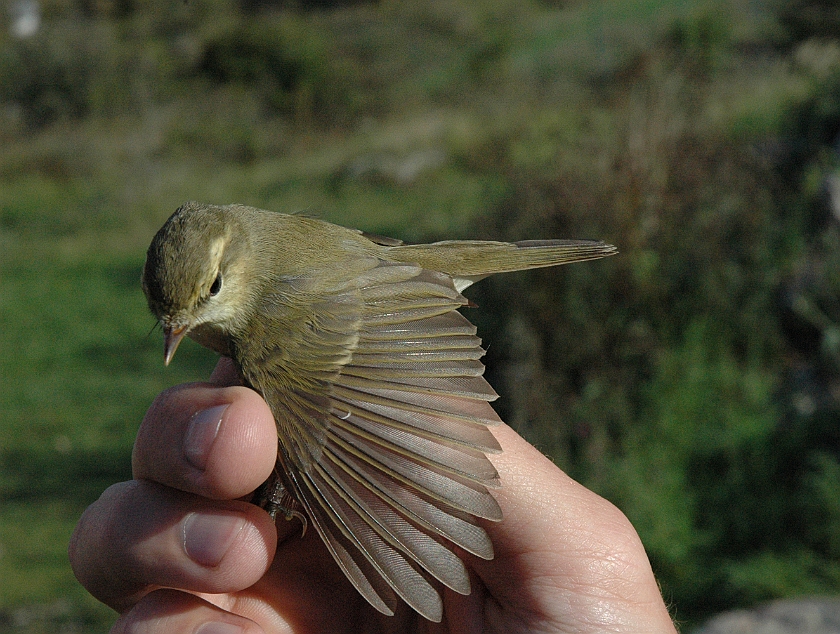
[693,380]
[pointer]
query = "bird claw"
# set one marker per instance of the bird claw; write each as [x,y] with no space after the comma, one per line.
[273,497]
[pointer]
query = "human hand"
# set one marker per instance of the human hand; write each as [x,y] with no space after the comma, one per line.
[176,550]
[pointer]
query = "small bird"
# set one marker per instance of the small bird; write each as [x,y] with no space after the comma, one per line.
[373,377]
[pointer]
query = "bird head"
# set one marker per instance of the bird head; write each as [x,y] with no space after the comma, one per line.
[190,273]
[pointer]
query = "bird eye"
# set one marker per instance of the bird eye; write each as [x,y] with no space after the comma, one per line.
[216,286]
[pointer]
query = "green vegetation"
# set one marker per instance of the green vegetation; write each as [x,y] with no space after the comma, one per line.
[693,380]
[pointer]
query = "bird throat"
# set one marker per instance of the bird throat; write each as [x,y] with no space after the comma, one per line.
[213,337]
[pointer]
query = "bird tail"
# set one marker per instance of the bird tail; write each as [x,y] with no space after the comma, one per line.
[468,261]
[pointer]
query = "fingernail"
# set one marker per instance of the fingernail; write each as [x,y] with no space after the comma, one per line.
[208,536]
[201,432]
[219,628]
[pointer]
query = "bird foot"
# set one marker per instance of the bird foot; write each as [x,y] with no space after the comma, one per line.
[273,497]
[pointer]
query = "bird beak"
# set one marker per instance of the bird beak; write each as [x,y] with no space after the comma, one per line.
[171,338]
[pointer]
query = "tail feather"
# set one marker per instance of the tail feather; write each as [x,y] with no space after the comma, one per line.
[539,253]
[468,261]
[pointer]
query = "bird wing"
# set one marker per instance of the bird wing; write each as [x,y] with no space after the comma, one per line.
[383,416]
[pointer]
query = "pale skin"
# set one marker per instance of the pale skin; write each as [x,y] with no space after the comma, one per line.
[176,550]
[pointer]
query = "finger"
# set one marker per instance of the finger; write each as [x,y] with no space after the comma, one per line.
[225,373]
[536,494]
[569,546]
[173,612]
[140,535]
[217,442]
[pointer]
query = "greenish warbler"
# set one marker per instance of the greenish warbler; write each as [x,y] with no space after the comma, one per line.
[373,376]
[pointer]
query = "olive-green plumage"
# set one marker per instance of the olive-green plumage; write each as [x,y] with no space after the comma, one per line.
[373,377]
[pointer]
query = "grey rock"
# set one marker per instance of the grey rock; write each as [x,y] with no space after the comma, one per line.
[818,615]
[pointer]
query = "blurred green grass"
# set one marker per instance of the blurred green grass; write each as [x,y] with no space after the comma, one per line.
[686,132]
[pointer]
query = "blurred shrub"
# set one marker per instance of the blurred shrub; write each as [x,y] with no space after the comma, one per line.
[50,76]
[109,58]
[660,377]
[292,68]
[810,18]
[256,5]
[77,67]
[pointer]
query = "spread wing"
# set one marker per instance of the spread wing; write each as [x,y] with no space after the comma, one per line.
[383,415]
